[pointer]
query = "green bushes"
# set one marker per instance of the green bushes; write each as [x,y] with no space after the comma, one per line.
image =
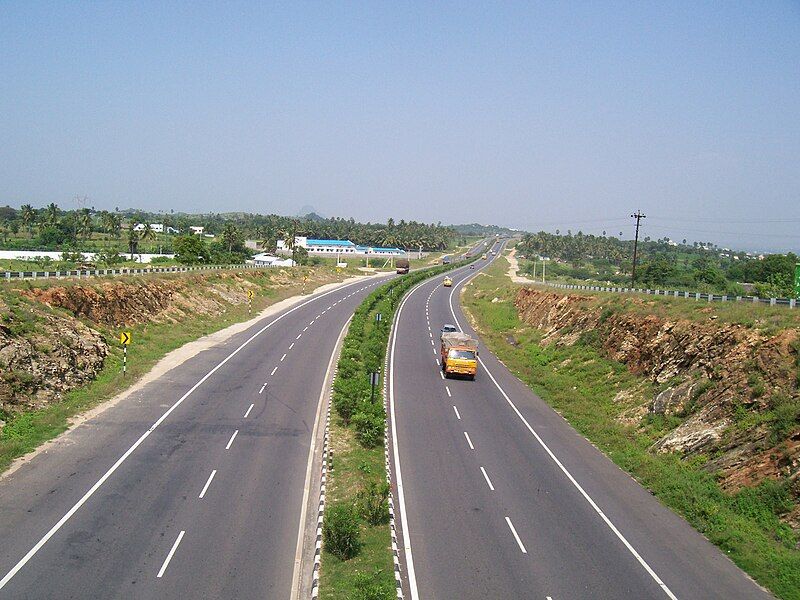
[373,503]
[340,532]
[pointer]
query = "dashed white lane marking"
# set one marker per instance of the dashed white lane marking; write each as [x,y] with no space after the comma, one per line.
[516,537]
[458,416]
[438,363]
[208,483]
[291,345]
[282,357]
[486,477]
[447,387]
[230,441]
[432,344]
[318,316]
[263,386]
[305,328]
[273,371]
[171,553]
[469,441]
[299,335]
[440,373]
[247,414]
[312,322]
[434,352]
[328,308]
[430,333]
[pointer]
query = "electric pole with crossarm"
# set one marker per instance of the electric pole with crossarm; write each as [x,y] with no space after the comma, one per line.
[638,216]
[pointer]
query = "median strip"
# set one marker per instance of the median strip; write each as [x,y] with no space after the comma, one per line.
[359,558]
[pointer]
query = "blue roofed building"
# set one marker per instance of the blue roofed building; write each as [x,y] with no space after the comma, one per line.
[337,247]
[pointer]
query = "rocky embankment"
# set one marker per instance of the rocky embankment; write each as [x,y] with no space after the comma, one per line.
[56,338]
[730,392]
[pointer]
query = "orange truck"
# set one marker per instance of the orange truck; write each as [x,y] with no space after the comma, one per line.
[459,354]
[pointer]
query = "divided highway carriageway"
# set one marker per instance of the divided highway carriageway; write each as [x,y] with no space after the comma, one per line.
[498,497]
[193,486]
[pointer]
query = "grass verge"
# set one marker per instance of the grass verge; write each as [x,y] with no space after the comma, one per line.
[357,562]
[581,384]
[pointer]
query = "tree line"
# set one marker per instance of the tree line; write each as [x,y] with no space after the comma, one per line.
[89,229]
[662,263]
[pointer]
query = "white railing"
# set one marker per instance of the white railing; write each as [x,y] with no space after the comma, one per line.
[696,296]
[81,273]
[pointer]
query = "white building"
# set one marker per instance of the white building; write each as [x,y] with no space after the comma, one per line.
[337,248]
[195,230]
[269,260]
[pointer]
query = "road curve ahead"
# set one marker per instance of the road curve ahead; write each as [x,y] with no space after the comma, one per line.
[500,498]
[190,488]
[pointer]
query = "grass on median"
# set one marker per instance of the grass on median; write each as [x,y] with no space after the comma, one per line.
[581,384]
[26,430]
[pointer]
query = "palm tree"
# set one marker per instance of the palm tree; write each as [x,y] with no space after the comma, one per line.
[83,223]
[133,241]
[230,235]
[51,215]
[28,216]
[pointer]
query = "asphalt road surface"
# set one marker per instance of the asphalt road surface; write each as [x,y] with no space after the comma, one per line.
[500,498]
[192,487]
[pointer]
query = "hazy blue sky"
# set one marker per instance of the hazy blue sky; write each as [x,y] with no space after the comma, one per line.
[567,115]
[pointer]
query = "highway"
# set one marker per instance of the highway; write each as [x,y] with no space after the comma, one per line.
[190,488]
[499,497]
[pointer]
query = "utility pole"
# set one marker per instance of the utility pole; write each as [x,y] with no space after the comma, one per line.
[638,216]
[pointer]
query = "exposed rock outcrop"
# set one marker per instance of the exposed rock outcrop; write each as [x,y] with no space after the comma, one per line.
[732,389]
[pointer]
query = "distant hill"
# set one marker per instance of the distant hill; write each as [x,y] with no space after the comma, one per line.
[312,216]
[478,229]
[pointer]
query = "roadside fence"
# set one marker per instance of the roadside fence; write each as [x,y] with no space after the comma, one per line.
[696,296]
[83,273]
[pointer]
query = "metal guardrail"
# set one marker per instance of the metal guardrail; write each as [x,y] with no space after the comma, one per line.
[696,296]
[83,273]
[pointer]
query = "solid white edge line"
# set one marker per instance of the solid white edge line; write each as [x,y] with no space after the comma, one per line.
[469,441]
[516,537]
[486,477]
[171,553]
[247,414]
[301,529]
[208,483]
[68,515]
[230,441]
[458,416]
[398,475]
[555,459]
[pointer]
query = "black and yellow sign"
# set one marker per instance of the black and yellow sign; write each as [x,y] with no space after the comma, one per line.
[250,294]
[125,338]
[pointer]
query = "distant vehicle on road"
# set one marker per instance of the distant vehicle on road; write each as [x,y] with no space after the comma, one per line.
[448,328]
[447,282]
[402,266]
[484,257]
[459,354]
[445,260]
